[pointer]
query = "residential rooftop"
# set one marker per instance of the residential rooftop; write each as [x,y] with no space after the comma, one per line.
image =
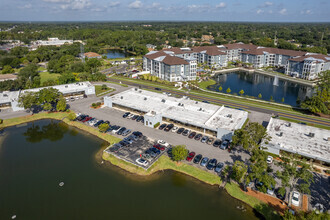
[185,110]
[297,138]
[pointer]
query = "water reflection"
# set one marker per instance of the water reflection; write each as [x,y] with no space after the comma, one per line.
[53,131]
[254,84]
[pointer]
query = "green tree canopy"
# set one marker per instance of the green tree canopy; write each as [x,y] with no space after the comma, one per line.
[103,127]
[61,105]
[179,152]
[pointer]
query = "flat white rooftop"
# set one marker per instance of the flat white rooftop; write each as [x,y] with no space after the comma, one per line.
[8,96]
[65,88]
[185,110]
[305,140]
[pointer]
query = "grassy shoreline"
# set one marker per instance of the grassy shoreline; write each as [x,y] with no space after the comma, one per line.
[163,163]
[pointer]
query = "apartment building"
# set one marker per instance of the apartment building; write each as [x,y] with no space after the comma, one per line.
[233,51]
[266,56]
[180,64]
[308,66]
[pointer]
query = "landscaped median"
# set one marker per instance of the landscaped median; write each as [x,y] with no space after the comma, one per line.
[165,163]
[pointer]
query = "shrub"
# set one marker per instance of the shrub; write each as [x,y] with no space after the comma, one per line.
[156,125]
[179,152]
[103,127]
[98,104]
[72,116]
[1,121]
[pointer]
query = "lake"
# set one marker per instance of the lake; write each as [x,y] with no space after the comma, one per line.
[254,83]
[112,54]
[36,157]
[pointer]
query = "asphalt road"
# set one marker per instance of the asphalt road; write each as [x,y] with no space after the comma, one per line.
[232,104]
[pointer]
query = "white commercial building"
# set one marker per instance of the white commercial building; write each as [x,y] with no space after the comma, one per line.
[219,119]
[9,99]
[308,141]
[52,42]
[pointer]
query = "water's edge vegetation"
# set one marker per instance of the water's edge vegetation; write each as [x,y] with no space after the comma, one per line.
[163,163]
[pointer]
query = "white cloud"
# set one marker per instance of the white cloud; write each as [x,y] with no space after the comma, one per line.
[57,1]
[221,5]
[283,11]
[27,6]
[198,7]
[135,5]
[76,5]
[113,4]
[259,11]
[306,12]
[267,4]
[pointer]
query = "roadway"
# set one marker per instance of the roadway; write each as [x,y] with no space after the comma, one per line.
[232,104]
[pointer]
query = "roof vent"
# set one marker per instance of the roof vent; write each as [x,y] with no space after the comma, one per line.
[288,124]
[66,86]
[280,134]
[163,100]
[5,95]
[311,134]
[140,91]
[196,102]
[136,89]
[121,97]
[145,98]
[277,128]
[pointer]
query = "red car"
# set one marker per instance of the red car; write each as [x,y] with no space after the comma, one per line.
[87,119]
[190,156]
[159,147]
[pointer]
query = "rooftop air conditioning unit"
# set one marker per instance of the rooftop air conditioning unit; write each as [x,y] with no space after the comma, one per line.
[140,91]
[121,97]
[289,124]
[311,134]
[277,128]
[145,98]
[136,89]
[163,100]
[196,102]
[280,134]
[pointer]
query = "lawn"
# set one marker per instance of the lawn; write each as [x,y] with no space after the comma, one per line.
[205,84]
[44,76]
[263,208]
[99,91]
[165,163]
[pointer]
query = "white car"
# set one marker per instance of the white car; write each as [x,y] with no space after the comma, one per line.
[115,131]
[175,129]
[130,116]
[142,162]
[269,159]
[295,198]
[163,143]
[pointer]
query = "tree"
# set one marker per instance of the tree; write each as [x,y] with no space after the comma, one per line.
[72,116]
[29,76]
[220,88]
[250,136]
[7,69]
[48,95]
[28,100]
[179,152]
[61,105]
[295,171]
[239,170]
[47,106]
[241,92]
[66,78]
[271,98]
[260,96]
[228,90]
[103,127]
[104,87]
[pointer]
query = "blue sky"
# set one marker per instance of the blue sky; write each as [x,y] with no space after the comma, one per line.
[168,10]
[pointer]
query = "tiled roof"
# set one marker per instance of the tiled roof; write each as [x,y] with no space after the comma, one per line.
[315,56]
[240,46]
[210,50]
[173,60]
[91,54]
[260,51]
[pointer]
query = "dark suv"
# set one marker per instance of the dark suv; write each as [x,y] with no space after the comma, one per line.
[198,158]
[192,135]
[217,143]
[162,126]
[169,127]
[120,132]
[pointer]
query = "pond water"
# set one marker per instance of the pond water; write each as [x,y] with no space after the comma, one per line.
[36,157]
[112,54]
[253,84]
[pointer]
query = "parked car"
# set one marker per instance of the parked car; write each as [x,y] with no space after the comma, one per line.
[198,137]
[198,158]
[192,135]
[211,164]
[138,134]
[142,162]
[270,191]
[115,129]
[185,132]
[159,147]
[204,161]
[126,114]
[126,132]
[164,143]
[224,145]
[134,117]
[204,139]
[279,194]
[130,116]
[158,89]
[98,123]
[129,140]
[107,122]
[190,156]
[120,132]
[269,159]
[151,152]
[219,167]
[175,129]
[169,127]
[86,119]
[157,151]
[162,126]
[210,141]
[180,130]
[139,118]
[217,143]
[295,198]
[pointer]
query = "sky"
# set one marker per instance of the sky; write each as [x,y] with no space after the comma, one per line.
[166,10]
